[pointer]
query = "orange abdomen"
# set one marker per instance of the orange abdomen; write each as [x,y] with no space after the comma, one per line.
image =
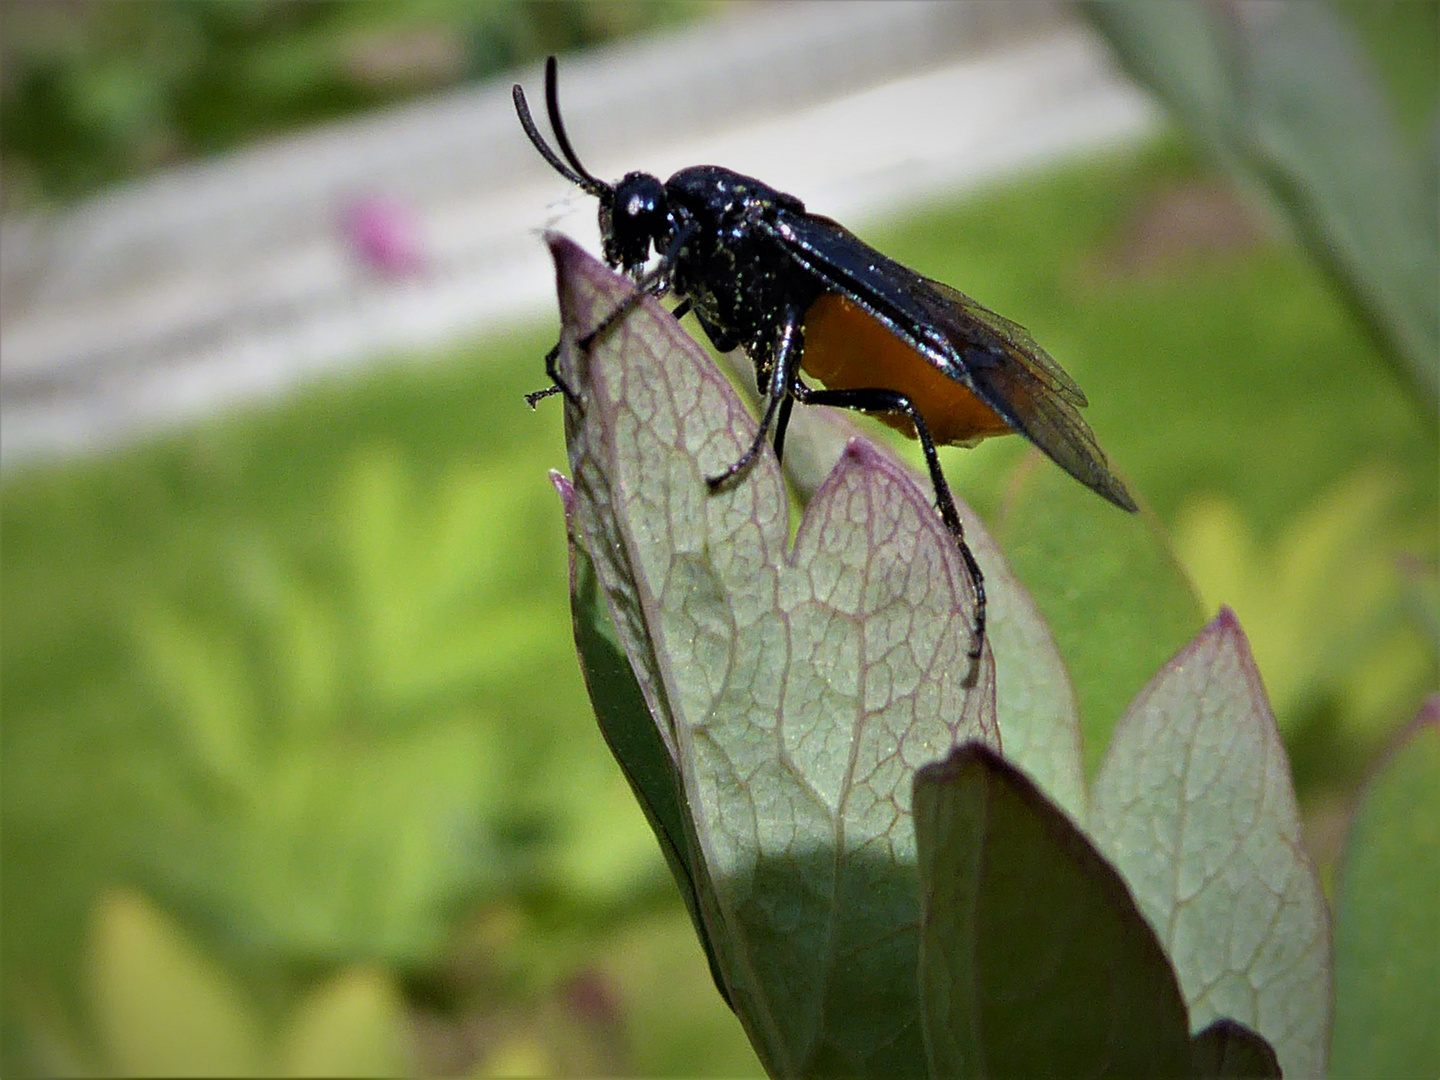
[848,349]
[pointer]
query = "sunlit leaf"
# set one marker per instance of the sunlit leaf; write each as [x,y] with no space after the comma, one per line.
[1035,705]
[629,728]
[1194,805]
[203,694]
[352,1025]
[795,689]
[160,1005]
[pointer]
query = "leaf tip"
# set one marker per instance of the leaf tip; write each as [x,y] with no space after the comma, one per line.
[563,249]
[861,452]
[1222,634]
[1225,621]
[565,488]
[873,462]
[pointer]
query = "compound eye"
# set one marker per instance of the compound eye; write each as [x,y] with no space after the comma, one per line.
[640,198]
[640,204]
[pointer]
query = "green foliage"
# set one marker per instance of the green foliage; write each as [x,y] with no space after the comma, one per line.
[787,695]
[315,735]
[1035,702]
[1033,952]
[1034,958]
[1108,586]
[102,92]
[1194,806]
[163,1007]
[1330,615]
[1387,936]
[797,838]
[621,713]
[1285,99]
[1222,374]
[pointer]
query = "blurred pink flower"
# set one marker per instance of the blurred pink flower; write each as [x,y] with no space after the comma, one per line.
[385,234]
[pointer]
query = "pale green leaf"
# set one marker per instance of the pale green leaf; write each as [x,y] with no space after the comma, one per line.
[161,1006]
[1194,805]
[796,689]
[355,1024]
[628,727]
[1035,703]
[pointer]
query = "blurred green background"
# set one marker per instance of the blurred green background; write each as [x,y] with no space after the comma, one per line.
[298,771]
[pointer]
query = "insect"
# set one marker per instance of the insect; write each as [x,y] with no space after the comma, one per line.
[804,296]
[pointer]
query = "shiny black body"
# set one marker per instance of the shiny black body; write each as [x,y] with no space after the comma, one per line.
[749,260]
[733,266]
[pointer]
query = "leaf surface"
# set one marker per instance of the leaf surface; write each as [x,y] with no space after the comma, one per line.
[1107,585]
[1035,702]
[1035,960]
[625,722]
[796,689]
[1195,807]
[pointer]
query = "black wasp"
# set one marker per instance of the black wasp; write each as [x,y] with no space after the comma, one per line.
[802,294]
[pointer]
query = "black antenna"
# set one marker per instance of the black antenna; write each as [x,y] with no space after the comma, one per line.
[537,140]
[579,175]
[552,105]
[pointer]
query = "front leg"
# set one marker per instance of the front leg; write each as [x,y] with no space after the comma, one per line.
[654,283]
[783,373]
[889,401]
[557,384]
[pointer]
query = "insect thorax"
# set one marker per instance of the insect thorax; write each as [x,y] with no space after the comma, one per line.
[740,281]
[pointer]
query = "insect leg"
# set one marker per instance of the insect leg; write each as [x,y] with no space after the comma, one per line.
[652,284]
[557,384]
[781,423]
[782,375]
[889,401]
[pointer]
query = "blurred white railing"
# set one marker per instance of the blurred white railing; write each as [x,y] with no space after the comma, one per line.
[220,282]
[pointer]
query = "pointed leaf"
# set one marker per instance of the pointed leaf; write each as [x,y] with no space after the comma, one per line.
[1194,805]
[1387,923]
[355,1024]
[1035,960]
[161,1006]
[1035,704]
[796,688]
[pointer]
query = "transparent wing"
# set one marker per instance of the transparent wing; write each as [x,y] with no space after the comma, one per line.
[1023,348]
[1021,382]
[995,357]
